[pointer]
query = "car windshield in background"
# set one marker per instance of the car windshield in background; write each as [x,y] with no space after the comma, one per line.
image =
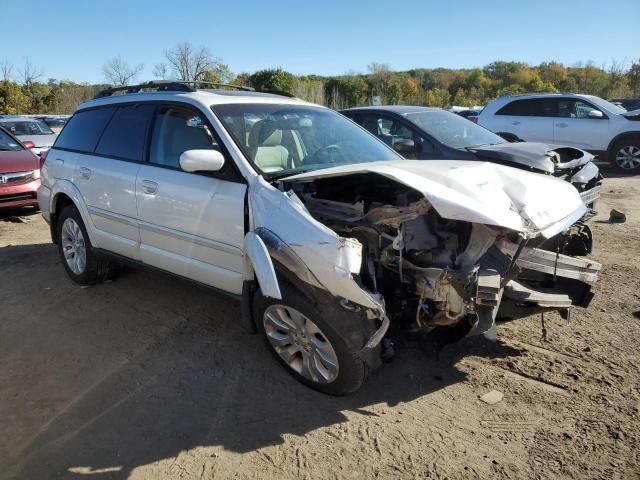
[8,144]
[28,127]
[453,130]
[289,139]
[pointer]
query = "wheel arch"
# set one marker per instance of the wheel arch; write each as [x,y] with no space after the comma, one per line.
[65,193]
[635,135]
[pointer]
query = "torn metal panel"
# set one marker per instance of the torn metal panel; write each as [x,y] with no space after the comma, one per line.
[262,265]
[559,265]
[543,298]
[479,192]
[333,260]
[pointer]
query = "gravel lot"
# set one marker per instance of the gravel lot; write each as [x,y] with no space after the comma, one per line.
[150,377]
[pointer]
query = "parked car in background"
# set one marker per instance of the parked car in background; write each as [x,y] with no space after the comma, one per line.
[629,104]
[468,113]
[32,130]
[323,232]
[427,133]
[583,121]
[19,173]
[55,122]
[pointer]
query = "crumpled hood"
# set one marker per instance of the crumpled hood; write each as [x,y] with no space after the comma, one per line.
[530,154]
[479,192]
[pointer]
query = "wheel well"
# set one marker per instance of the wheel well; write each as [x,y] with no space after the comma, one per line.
[61,201]
[623,136]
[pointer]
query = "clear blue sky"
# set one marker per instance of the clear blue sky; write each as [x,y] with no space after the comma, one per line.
[71,39]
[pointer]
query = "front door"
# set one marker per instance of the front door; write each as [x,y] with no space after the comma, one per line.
[191,224]
[574,126]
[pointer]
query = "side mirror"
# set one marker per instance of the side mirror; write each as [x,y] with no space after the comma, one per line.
[405,145]
[29,144]
[201,161]
[595,114]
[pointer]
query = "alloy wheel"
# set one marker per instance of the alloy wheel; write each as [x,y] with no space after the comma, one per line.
[300,343]
[628,157]
[73,246]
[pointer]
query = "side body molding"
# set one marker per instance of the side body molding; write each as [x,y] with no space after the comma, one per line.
[262,265]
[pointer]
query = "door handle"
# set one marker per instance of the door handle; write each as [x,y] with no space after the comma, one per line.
[562,125]
[60,161]
[85,172]
[515,122]
[149,187]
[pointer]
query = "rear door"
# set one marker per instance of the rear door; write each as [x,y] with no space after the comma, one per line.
[191,224]
[530,119]
[106,177]
[574,127]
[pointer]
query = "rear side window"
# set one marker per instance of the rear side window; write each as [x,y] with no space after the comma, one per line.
[84,129]
[126,134]
[534,107]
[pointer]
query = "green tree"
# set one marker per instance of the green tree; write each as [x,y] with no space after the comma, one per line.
[274,79]
[633,76]
[437,97]
[14,100]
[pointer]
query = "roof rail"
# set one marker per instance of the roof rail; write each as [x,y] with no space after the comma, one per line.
[282,93]
[165,86]
[540,93]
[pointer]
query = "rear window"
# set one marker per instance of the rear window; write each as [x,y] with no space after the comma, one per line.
[84,129]
[126,133]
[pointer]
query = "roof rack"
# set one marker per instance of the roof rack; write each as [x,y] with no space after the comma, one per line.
[166,86]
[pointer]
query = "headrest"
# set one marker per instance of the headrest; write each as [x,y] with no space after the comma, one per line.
[265,133]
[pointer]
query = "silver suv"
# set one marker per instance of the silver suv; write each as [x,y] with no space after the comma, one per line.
[582,121]
[322,232]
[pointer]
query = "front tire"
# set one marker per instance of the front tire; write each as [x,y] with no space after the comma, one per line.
[625,156]
[302,338]
[82,263]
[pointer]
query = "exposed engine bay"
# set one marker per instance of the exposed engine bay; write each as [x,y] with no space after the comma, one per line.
[442,273]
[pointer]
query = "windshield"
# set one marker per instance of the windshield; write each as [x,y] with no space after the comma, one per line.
[453,130]
[27,127]
[289,139]
[8,144]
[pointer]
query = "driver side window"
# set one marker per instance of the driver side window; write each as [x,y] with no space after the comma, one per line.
[175,131]
[574,109]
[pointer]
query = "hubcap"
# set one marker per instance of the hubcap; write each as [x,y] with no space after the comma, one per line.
[300,343]
[628,157]
[73,247]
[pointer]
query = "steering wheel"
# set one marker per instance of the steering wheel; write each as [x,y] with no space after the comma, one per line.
[329,154]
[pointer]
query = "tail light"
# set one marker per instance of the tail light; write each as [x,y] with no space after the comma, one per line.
[43,157]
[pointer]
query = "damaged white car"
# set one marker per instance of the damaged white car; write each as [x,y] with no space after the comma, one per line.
[323,232]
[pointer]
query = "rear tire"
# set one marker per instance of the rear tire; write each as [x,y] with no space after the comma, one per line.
[279,322]
[625,156]
[82,263]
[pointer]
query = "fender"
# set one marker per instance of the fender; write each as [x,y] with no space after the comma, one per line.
[261,265]
[71,191]
[617,138]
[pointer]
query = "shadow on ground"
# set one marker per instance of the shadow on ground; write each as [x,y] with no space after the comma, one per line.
[199,380]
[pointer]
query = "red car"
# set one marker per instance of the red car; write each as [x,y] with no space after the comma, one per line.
[19,172]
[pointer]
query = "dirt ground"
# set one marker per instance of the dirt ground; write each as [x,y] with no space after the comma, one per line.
[150,377]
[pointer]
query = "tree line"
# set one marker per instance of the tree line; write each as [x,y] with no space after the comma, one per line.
[24,90]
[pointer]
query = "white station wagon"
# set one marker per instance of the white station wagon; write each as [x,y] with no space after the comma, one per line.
[324,234]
